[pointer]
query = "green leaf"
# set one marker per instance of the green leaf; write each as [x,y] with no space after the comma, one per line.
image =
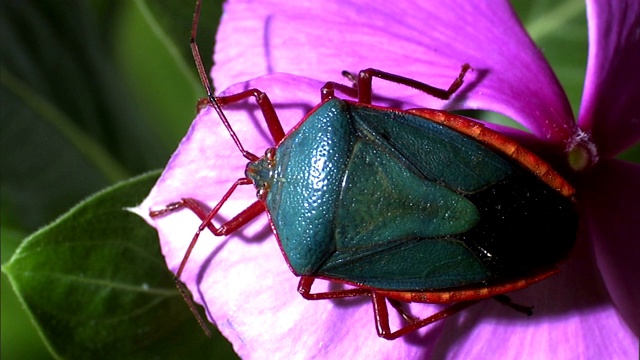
[19,339]
[96,285]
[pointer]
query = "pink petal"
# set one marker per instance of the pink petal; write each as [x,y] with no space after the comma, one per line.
[250,293]
[243,279]
[205,166]
[610,108]
[611,209]
[425,41]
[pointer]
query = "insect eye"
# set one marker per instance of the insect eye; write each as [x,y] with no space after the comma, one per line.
[262,192]
[270,155]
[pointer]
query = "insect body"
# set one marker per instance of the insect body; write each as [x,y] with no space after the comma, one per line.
[405,206]
[393,200]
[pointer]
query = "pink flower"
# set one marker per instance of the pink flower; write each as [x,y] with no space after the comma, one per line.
[590,310]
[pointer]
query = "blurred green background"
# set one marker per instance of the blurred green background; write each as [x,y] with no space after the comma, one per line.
[92,93]
[95,92]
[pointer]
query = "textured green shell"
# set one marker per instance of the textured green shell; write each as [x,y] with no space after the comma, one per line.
[391,200]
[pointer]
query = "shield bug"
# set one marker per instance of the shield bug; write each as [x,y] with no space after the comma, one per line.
[403,206]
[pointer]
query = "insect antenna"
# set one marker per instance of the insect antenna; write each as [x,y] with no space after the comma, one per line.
[206,83]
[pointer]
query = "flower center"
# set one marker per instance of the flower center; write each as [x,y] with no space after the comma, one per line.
[581,152]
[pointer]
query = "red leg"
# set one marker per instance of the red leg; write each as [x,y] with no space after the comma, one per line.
[381,315]
[382,319]
[506,301]
[329,89]
[227,228]
[365,77]
[269,113]
[363,89]
[304,288]
[380,309]
[404,313]
[206,216]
